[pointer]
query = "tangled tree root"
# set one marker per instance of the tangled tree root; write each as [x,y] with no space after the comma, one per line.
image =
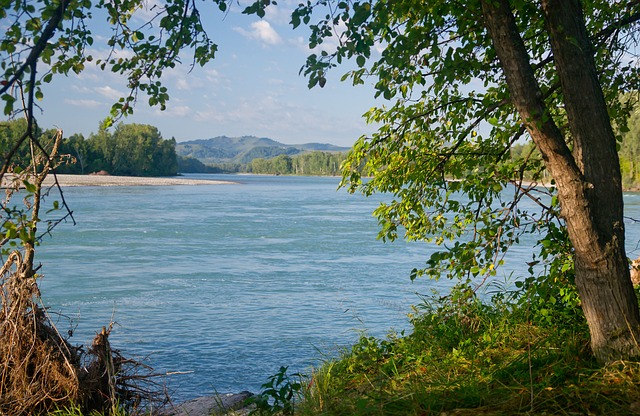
[41,371]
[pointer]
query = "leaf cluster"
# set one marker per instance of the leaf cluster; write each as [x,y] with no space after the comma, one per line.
[43,39]
[279,394]
[447,124]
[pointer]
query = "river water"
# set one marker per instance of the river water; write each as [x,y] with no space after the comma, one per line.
[226,283]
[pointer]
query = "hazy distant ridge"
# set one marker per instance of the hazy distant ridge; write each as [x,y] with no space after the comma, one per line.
[223,149]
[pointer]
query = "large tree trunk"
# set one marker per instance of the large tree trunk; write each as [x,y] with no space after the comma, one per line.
[588,180]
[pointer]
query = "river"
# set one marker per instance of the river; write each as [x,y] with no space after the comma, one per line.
[225,283]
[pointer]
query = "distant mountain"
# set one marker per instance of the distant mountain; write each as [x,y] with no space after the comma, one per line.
[244,149]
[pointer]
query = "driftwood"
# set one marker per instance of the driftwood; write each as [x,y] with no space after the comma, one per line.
[42,371]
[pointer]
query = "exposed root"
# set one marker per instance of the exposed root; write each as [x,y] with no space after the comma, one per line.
[110,380]
[39,368]
[41,371]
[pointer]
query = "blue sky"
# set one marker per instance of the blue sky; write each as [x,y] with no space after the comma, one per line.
[251,88]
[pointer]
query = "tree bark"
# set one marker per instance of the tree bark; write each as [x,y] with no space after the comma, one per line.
[588,180]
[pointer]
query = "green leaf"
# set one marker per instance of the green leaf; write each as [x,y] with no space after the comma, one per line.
[29,186]
[8,105]
[295,19]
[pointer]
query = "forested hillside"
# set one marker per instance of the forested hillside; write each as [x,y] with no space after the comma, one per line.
[140,150]
[229,151]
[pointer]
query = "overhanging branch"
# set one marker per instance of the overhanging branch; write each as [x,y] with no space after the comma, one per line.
[36,51]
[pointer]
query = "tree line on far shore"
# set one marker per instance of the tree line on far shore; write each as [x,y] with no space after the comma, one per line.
[315,163]
[140,150]
[129,150]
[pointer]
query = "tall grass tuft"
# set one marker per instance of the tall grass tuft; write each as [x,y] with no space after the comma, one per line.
[77,411]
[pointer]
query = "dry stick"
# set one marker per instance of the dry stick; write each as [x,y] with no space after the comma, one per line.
[48,32]
[40,177]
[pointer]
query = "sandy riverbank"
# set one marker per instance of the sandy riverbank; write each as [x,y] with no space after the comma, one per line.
[107,180]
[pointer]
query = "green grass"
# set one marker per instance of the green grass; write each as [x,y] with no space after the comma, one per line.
[76,411]
[466,357]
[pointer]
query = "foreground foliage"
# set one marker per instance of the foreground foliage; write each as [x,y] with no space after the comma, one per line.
[463,83]
[40,41]
[279,395]
[464,356]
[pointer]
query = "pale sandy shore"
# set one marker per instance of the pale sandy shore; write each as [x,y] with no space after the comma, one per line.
[106,180]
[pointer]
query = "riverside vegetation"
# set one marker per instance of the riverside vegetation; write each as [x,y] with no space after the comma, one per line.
[519,353]
[563,339]
[140,150]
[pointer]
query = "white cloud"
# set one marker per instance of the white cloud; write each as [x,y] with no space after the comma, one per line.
[216,78]
[274,81]
[103,52]
[84,103]
[174,111]
[109,92]
[182,84]
[281,15]
[271,115]
[200,80]
[91,73]
[211,115]
[82,89]
[329,45]
[212,74]
[261,31]
[148,10]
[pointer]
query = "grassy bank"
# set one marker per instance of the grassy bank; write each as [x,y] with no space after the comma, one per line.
[511,356]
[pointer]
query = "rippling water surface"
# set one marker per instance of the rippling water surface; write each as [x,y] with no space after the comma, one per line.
[229,282]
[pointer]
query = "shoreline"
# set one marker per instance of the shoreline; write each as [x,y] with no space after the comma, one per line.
[108,180]
[68,180]
[216,404]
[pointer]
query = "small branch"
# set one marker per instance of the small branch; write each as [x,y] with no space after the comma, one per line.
[36,51]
